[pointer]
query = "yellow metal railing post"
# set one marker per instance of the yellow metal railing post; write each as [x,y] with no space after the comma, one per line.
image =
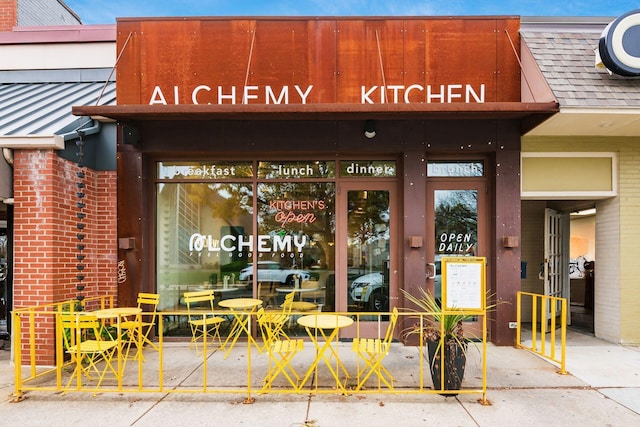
[553,328]
[160,351]
[422,356]
[204,351]
[484,400]
[563,335]
[59,349]
[17,356]
[139,347]
[249,329]
[518,319]
[120,367]
[534,323]
[32,341]
[543,322]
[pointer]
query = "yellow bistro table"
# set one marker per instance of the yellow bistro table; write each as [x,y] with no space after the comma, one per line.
[241,308]
[325,326]
[117,313]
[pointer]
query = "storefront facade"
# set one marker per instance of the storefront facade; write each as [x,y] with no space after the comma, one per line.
[243,160]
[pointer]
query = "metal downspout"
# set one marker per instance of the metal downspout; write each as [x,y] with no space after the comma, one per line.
[91,130]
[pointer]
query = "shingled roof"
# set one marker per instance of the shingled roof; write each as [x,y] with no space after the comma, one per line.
[567,62]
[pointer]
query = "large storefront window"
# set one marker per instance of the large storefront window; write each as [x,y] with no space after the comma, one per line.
[296,228]
[203,238]
[214,231]
[265,229]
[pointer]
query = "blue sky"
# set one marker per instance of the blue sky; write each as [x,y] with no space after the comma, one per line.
[106,11]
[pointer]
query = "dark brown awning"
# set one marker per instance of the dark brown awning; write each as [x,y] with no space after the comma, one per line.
[414,111]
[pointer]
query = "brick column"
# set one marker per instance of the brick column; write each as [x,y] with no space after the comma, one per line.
[8,14]
[45,218]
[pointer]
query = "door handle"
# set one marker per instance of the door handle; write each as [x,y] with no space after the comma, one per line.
[431,270]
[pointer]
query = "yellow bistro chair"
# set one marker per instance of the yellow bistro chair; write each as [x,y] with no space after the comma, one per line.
[91,353]
[372,351]
[148,303]
[204,324]
[280,352]
[277,319]
[301,304]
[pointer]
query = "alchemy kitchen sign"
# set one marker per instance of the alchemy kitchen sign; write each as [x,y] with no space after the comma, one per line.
[299,61]
[393,94]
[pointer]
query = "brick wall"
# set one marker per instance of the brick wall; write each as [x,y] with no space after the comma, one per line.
[629,236]
[45,187]
[607,309]
[8,14]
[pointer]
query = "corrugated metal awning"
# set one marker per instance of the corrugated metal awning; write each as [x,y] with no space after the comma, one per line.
[37,115]
[34,115]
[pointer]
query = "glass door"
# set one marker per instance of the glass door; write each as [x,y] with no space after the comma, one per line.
[368,219]
[456,226]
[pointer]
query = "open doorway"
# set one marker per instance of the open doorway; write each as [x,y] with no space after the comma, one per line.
[575,249]
[582,267]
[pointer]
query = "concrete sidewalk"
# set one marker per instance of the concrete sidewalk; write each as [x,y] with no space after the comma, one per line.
[601,389]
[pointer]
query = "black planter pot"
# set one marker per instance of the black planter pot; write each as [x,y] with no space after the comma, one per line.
[455,359]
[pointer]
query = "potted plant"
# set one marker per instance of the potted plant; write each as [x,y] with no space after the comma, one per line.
[444,338]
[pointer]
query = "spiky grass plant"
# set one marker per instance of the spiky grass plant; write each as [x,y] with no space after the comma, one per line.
[436,324]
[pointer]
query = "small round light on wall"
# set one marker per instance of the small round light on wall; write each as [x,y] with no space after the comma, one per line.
[369,129]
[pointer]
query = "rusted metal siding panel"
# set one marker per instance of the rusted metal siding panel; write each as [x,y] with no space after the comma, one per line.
[508,72]
[279,55]
[415,55]
[369,53]
[322,61]
[129,51]
[190,53]
[128,46]
[337,56]
[463,52]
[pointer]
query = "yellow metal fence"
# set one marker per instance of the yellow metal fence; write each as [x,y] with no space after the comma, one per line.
[176,368]
[548,318]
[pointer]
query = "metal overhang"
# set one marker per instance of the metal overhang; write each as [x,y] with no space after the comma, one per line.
[489,110]
[36,115]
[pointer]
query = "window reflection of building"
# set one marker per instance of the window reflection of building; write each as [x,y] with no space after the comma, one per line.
[456,220]
[193,221]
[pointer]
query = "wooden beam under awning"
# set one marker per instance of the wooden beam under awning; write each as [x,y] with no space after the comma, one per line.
[455,111]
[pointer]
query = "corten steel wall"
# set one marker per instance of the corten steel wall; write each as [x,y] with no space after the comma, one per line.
[45,235]
[336,56]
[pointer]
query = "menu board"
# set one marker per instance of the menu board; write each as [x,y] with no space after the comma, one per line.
[463,282]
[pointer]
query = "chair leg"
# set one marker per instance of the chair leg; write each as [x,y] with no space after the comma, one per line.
[281,354]
[373,365]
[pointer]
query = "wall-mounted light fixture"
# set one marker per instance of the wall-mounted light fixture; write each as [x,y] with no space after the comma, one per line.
[370,128]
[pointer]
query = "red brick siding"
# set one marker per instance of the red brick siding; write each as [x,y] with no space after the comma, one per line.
[8,14]
[45,210]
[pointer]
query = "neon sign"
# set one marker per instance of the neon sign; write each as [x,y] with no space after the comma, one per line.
[230,243]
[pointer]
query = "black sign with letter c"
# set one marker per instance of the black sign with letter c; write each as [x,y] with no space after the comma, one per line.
[619,45]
